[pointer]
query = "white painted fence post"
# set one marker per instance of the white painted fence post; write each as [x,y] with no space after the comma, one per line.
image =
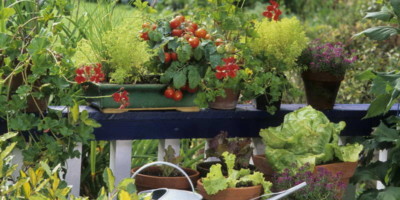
[164,143]
[383,155]
[121,159]
[18,159]
[74,168]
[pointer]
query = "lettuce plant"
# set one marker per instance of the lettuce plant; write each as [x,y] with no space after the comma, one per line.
[306,136]
[216,181]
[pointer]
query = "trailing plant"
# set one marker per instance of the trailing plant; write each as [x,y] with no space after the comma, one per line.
[36,50]
[330,57]
[216,181]
[285,144]
[320,185]
[241,148]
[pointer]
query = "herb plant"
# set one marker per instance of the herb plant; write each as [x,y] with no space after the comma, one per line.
[331,58]
[320,185]
[216,181]
[286,144]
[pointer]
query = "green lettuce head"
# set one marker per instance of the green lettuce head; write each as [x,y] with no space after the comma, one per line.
[306,136]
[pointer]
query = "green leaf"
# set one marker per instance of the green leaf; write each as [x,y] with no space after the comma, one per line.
[215,180]
[366,75]
[184,52]
[371,172]
[161,55]
[378,106]
[198,53]
[396,7]
[194,77]
[180,78]
[38,44]
[155,36]
[5,13]
[109,179]
[215,60]
[379,32]
[384,15]
[390,193]
[4,137]
[75,112]
[173,44]
[385,134]
[92,123]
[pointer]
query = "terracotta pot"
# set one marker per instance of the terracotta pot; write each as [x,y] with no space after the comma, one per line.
[204,168]
[148,182]
[262,165]
[243,193]
[226,103]
[321,89]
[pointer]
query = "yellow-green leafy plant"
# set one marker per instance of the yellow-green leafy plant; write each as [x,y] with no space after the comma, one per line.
[279,43]
[117,47]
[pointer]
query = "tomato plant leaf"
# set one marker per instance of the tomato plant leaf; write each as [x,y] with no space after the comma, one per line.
[184,52]
[215,60]
[194,77]
[198,53]
[155,36]
[180,78]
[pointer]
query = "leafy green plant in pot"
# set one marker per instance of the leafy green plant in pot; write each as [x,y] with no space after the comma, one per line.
[275,48]
[165,176]
[325,67]
[307,136]
[241,148]
[240,184]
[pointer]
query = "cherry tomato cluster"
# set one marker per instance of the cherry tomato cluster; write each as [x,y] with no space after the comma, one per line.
[144,34]
[177,95]
[170,57]
[180,27]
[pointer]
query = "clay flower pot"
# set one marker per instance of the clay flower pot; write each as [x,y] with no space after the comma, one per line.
[228,102]
[148,182]
[321,89]
[243,193]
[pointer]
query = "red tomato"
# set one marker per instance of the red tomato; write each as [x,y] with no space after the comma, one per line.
[145,36]
[184,88]
[194,25]
[169,93]
[154,26]
[201,33]
[190,29]
[178,95]
[192,90]
[177,32]
[208,37]
[187,36]
[174,56]
[194,42]
[174,23]
[167,57]
[180,18]
[218,41]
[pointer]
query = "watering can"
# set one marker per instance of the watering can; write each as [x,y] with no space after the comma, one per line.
[173,194]
[169,194]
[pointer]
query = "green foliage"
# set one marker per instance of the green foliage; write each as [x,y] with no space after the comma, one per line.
[279,43]
[285,144]
[216,181]
[114,43]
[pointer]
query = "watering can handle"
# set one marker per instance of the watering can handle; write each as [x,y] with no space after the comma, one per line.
[168,164]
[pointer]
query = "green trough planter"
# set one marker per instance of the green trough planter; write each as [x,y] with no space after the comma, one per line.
[141,97]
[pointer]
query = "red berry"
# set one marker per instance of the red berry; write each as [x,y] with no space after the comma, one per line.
[194,42]
[177,32]
[174,23]
[178,95]
[145,36]
[169,93]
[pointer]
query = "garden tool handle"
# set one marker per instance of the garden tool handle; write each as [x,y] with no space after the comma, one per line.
[284,193]
[168,164]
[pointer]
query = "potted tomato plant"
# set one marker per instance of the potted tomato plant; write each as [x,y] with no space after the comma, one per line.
[239,184]
[164,176]
[325,66]
[307,136]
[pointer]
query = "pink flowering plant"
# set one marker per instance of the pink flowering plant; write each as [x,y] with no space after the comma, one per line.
[320,185]
[333,58]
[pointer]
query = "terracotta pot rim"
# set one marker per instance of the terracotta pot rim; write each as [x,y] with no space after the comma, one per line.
[191,173]
[200,183]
